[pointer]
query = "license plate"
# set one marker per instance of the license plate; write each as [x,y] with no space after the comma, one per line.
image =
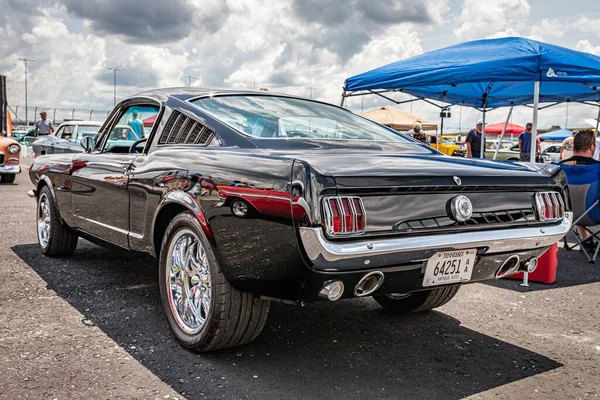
[449,267]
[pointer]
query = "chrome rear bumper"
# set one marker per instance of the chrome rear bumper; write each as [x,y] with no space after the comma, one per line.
[338,256]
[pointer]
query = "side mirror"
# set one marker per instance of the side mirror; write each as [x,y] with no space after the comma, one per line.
[87,142]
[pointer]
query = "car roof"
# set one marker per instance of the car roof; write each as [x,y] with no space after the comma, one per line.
[93,123]
[188,93]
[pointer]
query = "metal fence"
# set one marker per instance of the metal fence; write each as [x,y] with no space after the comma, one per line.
[56,114]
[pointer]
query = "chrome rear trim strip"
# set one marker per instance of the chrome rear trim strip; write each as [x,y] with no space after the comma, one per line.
[325,254]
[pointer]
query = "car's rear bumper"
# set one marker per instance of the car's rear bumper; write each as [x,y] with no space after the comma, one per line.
[10,169]
[402,261]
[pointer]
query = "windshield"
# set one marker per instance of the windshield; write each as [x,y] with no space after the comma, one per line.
[123,133]
[87,130]
[281,117]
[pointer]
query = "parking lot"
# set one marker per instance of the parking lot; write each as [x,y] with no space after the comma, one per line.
[91,326]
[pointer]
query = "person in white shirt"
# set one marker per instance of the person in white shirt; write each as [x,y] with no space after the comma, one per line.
[44,126]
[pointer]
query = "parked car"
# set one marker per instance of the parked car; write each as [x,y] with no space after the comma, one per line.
[553,151]
[68,136]
[328,205]
[449,145]
[24,137]
[65,138]
[509,151]
[10,158]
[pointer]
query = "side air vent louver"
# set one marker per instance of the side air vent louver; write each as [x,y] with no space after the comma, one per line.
[181,129]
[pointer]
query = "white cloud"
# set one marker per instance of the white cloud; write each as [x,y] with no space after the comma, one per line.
[286,46]
[585,45]
[587,25]
[480,19]
[547,28]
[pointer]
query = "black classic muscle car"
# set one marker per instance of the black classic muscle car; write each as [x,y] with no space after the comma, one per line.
[250,197]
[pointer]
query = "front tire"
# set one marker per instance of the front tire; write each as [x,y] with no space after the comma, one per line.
[54,236]
[203,310]
[418,301]
[8,178]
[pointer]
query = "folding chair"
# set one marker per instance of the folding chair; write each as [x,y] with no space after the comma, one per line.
[584,193]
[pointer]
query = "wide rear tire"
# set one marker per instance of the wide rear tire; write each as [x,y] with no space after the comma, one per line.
[202,308]
[418,301]
[54,236]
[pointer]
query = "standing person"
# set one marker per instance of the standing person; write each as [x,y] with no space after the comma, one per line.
[525,144]
[44,126]
[417,134]
[473,141]
[566,148]
[136,124]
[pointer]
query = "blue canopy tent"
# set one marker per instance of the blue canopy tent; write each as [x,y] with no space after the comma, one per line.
[560,134]
[487,74]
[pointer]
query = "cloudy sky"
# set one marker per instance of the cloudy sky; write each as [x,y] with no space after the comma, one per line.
[287,46]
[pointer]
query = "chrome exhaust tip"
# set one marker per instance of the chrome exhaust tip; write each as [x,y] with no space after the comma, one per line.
[332,290]
[369,283]
[532,264]
[509,267]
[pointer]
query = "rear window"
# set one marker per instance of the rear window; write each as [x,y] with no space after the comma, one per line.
[273,117]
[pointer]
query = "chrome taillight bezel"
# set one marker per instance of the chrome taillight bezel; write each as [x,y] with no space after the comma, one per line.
[555,204]
[328,215]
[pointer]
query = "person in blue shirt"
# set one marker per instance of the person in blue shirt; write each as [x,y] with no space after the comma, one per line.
[525,144]
[136,124]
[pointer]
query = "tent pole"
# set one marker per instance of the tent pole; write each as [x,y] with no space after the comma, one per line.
[482,149]
[536,104]
[598,119]
[503,132]
[343,98]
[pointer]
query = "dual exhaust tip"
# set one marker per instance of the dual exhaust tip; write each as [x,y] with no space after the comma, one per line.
[513,265]
[369,283]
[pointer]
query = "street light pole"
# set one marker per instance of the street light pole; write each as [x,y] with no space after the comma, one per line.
[25,61]
[190,77]
[115,70]
[253,84]
[311,89]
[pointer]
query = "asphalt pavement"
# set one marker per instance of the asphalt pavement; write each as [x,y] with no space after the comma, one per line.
[91,326]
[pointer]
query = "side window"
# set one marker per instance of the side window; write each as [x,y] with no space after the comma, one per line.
[59,132]
[134,123]
[67,132]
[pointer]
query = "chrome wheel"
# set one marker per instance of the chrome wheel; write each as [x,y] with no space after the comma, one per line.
[188,282]
[43,220]
[239,208]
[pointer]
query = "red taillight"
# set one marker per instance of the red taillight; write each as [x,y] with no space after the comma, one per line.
[348,215]
[344,215]
[547,207]
[336,216]
[361,218]
[550,206]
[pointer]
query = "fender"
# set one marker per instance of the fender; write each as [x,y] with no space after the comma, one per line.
[186,200]
[45,180]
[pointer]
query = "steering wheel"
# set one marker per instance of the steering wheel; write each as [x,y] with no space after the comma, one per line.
[133,148]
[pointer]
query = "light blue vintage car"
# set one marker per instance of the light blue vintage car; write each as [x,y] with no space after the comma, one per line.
[68,136]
